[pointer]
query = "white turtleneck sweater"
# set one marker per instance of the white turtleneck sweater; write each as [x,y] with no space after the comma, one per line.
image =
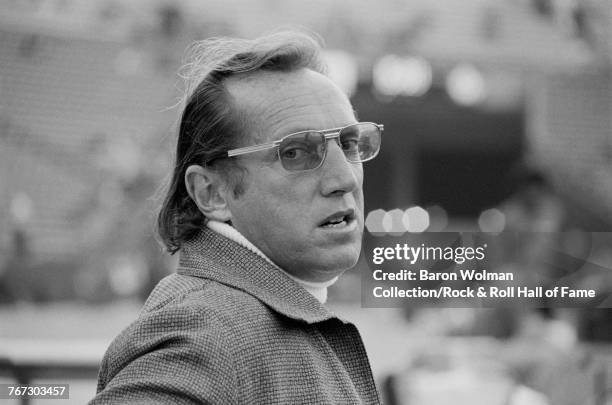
[317,289]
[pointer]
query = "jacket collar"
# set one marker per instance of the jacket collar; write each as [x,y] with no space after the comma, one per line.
[215,257]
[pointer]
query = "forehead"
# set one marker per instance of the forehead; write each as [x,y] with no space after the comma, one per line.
[275,104]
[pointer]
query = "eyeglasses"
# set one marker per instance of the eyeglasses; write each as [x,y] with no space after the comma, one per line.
[306,150]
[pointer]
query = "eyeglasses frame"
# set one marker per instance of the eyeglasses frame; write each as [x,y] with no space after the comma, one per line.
[329,134]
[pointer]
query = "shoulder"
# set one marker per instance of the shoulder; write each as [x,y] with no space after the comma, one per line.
[189,313]
[201,298]
[167,320]
[179,338]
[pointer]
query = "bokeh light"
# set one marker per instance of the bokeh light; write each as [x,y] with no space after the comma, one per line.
[416,219]
[438,218]
[394,75]
[393,222]
[21,208]
[492,221]
[374,221]
[466,85]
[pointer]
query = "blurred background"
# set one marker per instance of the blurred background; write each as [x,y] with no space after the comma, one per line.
[498,119]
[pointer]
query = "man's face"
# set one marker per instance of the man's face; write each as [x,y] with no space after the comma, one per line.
[309,223]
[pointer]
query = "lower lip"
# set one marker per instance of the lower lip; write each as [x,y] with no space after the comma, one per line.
[343,228]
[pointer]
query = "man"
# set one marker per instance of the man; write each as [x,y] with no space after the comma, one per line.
[265,208]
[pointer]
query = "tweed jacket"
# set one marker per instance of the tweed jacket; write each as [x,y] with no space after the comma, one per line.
[230,328]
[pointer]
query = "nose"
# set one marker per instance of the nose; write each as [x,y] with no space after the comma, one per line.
[338,175]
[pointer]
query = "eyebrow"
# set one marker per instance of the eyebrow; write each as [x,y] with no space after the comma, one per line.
[294,130]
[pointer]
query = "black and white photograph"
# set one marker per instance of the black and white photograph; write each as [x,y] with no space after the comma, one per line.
[400,202]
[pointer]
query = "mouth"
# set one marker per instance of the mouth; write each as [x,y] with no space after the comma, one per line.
[338,219]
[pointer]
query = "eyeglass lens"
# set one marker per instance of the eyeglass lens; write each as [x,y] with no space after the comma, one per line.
[306,150]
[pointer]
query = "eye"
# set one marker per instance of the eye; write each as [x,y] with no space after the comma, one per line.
[294,152]
[350,144]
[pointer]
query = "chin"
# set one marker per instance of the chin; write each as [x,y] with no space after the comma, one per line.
[340,261]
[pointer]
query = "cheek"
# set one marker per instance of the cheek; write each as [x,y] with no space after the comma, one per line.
[292,189]
[284,202]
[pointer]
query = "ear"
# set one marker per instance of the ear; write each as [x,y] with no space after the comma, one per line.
[208,190]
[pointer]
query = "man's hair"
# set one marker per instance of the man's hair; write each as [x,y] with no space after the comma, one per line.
[210,125]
